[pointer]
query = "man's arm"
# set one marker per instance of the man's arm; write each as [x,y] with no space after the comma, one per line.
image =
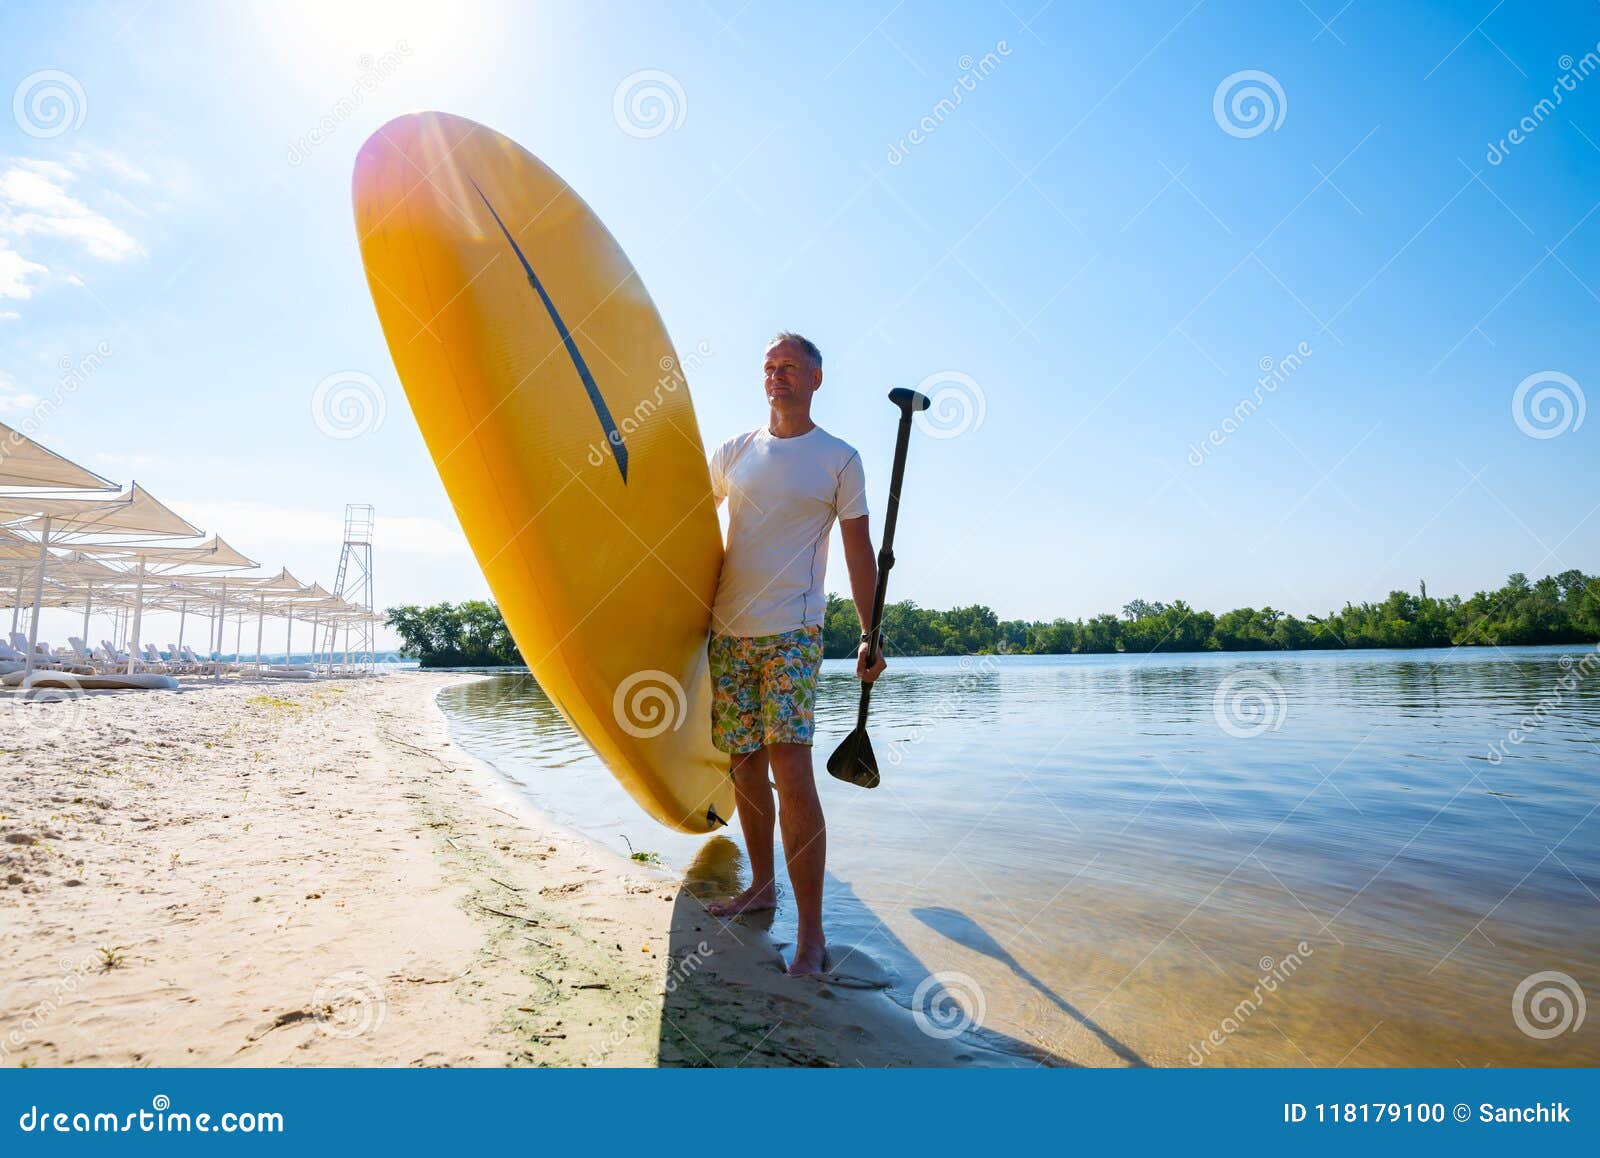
[719,476]
[862,562]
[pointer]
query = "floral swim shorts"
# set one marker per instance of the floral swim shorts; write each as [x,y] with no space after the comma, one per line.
[764,689]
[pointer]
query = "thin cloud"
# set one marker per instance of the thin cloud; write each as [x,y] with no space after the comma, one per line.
[12,399]
[34,202]
[15,272]
[18,403]
[93,156]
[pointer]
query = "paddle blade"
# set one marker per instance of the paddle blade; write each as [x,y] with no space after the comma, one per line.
[852,761]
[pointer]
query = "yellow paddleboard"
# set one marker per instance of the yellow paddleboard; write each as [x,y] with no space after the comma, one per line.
[554,407]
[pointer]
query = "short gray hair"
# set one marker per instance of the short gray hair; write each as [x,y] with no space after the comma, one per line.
[800,340]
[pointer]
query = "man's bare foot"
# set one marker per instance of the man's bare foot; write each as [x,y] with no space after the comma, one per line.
[809,960]
[753,900]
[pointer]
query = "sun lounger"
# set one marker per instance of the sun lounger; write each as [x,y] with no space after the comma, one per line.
[204,666]
[43,658]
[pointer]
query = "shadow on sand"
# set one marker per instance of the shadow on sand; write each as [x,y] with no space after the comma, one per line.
[727,1001]
[963,930]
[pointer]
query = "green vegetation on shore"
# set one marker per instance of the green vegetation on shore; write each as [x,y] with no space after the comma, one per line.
[467,634]
[1562,608]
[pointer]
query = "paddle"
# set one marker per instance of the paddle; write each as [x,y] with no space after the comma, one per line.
[853,760]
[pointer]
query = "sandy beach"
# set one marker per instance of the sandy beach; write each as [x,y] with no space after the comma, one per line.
[255,874]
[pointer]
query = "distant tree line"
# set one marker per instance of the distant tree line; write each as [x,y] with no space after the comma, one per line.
[1562,608]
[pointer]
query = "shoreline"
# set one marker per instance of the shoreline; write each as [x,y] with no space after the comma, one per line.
[259,874]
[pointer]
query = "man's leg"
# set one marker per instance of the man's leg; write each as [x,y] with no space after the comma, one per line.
[805,848]
[753,795]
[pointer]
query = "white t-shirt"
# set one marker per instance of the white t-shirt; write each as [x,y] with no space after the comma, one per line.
[783,497]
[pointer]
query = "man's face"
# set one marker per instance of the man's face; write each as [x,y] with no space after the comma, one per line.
[790,375]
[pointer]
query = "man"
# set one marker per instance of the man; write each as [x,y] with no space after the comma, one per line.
[785,485]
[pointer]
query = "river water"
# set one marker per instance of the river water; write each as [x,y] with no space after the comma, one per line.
[1310,858]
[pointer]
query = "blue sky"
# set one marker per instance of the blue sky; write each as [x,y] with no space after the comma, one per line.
[1081,256]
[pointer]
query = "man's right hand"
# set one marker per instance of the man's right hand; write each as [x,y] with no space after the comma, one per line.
[867,673]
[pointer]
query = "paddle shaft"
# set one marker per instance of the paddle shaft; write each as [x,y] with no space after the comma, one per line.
[902,440]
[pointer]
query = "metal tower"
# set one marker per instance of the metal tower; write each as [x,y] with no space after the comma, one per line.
[354,583]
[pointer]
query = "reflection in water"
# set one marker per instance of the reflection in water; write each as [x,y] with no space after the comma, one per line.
[1119,855]
[714,871]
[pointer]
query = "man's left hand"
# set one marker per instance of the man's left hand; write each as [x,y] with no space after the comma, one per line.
[865,673]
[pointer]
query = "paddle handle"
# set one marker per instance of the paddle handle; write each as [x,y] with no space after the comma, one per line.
[909,402]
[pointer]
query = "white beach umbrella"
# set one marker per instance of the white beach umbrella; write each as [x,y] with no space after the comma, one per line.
[24,463]
[212,555]
[17,553]
[274,585]
[137,514]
